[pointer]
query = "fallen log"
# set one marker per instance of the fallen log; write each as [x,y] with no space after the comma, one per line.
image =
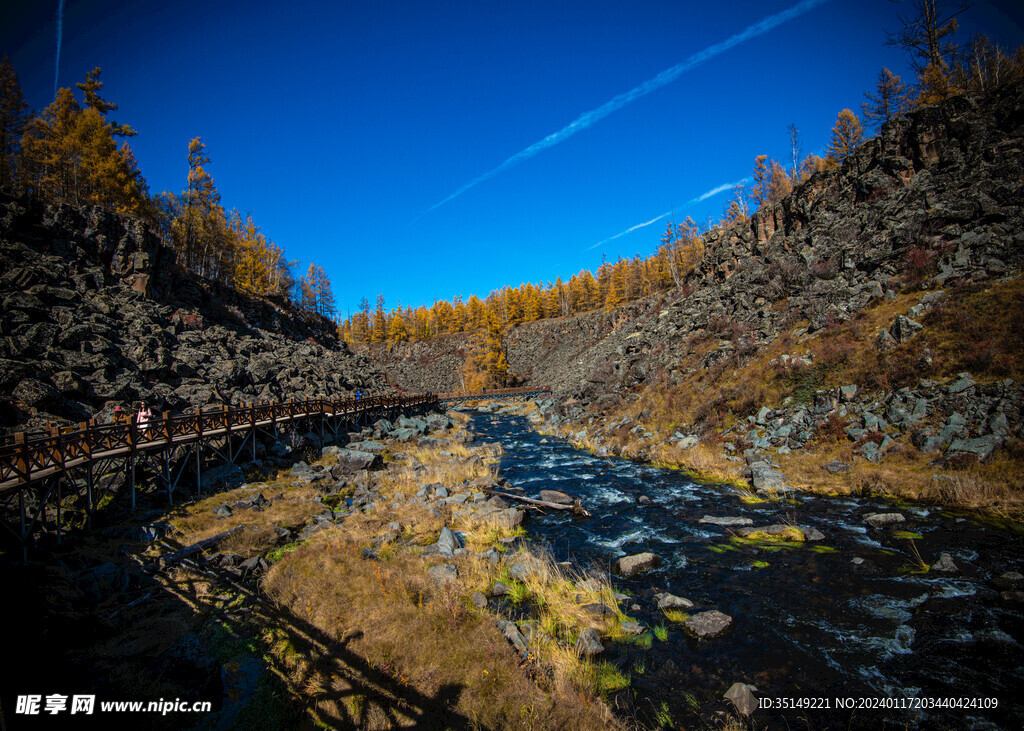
[575,507]
[176,556]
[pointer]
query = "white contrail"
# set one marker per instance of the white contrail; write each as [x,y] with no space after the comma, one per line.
[702,197]
[667,76]
[630,230]
[60,37]
[716,191]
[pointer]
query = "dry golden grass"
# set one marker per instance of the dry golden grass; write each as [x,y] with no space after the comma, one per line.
[395,616]
[906,473]
[196,521]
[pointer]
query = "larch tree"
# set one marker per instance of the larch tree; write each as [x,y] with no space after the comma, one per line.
[779,183]
[812,164]
[322,292]
[891,99]
[307,290]
[926,36]
[51,157]
[200,229]
[14,117]
[379,334]
[846,135]
[759,191]
[91,91]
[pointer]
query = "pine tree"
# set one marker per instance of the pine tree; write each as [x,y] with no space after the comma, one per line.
[935,85]
[891,99]
[398,331]
[846,135]
[14,117]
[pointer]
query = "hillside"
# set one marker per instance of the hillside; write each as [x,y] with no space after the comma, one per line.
[96,314]
[869,316]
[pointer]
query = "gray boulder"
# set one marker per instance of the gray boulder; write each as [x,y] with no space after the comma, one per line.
[513,635]
[878,520]
[982,447]
[556,496]
[589,643]
[903,329]
[445,573]
[946,564]
[726,522]
[508,519]
[632,565]
[350,461]
[448,542]
[741,695]
[835,467]
[226,476]
[707,624]
[671,601]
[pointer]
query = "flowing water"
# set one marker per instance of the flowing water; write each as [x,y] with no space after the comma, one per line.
[808,623]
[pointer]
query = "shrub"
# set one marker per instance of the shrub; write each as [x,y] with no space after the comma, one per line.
[187,320]
[919,264]
[825,268]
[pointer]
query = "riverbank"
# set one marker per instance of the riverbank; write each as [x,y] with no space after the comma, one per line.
[841,444]
[369,586]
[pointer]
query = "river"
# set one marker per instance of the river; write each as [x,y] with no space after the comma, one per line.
[848,619]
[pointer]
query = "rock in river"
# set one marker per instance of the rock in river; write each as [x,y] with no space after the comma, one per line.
[632,565]
[877,520]
[726,521]
[708,624]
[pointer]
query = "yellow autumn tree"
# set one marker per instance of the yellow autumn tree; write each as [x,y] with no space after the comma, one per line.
[69,154]
[199,230]
[487,364]
[846,135]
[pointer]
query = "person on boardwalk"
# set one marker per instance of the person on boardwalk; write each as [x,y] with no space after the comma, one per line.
[142,418]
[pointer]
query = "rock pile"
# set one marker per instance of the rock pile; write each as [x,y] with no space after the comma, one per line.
[96,314]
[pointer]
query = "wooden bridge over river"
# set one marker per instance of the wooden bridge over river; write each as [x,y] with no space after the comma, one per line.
[40,470]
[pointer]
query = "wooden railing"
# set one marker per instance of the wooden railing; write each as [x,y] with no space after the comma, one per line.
[29,457]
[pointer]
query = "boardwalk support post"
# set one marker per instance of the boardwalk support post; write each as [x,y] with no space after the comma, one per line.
[132,436]
[199,451]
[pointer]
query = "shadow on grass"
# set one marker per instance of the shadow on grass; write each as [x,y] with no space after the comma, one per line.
[337,686]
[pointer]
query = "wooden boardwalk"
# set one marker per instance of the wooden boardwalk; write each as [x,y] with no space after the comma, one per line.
[43,466]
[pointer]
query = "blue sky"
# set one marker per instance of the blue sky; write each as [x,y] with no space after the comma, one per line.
[343,125]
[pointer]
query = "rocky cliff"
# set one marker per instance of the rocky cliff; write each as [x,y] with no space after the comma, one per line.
[96,313]
[882,269]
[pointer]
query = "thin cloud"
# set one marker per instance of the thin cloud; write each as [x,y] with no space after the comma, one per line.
[60,38]
[702,197]
[667,76]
